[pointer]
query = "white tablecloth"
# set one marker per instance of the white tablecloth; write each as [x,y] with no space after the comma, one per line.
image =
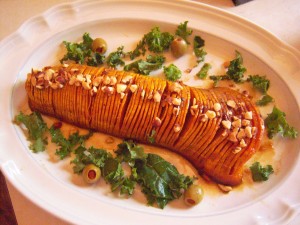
[281,17]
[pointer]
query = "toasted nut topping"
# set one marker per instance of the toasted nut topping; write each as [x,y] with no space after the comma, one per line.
[237,123]
[241,134]
[113,80]
[85,85]
[203,118]
[175,87]
[231,103]
[245,123]
[122,95]
[53,85]
[121,88]
[226,124]
[95,89]
[176,111]
[65,65]
[157,96]
[80,78]
[210,114]
[248,132]
[143,93]
[254,130]
[109,90]
[126,79]
[49,74]
[237,150]
[88,78]
[150,96]
[225,188]
[176,128]
[60,80]
[248,115]
[72,80]
[217,107]
[224,133]
[157,122]
[103,88]
[133,88]
[106,80]
[97,81]
[176,101]
[232,136]
[194,109]
[109,140]
[243,143]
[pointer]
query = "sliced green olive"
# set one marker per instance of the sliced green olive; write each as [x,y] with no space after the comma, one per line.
[99,45]
[91,173]
[178,47]
[193,195]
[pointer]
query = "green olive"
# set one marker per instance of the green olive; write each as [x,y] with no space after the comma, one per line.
[178,47]
[99,45]
[193,195]
[91,173]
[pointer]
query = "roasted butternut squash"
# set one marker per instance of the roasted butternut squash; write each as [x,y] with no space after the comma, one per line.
[217,130]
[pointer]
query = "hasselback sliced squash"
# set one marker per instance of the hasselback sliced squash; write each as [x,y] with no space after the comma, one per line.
[217,130]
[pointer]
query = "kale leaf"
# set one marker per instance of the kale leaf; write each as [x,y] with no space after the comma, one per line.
[82,52]
[266,99]
[172,72]
[260,173]
[261,83]
[155,40]
[236,69]
[115,58]
[202,74]
[160,180]
[66,145]
[145,67]
[276,123]
[84,156]
[158,41]
[37,129]
[183,31]
[199,50]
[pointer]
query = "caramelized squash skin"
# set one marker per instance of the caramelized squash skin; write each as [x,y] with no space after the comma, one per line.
[217,130]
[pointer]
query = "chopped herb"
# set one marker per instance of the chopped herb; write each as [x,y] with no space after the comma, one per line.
[147,168]
[145,67]
[140,49]
[172,72]
[66,145]
[266,99]
[183,31]
[276,123]
[199,51]
[158,41]
[261,83]
[130,152]
[236,69]
[115,58]
[260,173]
[168,182]
[202,74]
[155,40]
[37,129]
[82,52]
[151,137]
[216,79]
[86,156]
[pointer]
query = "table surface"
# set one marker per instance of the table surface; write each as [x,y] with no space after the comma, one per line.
[281,17]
